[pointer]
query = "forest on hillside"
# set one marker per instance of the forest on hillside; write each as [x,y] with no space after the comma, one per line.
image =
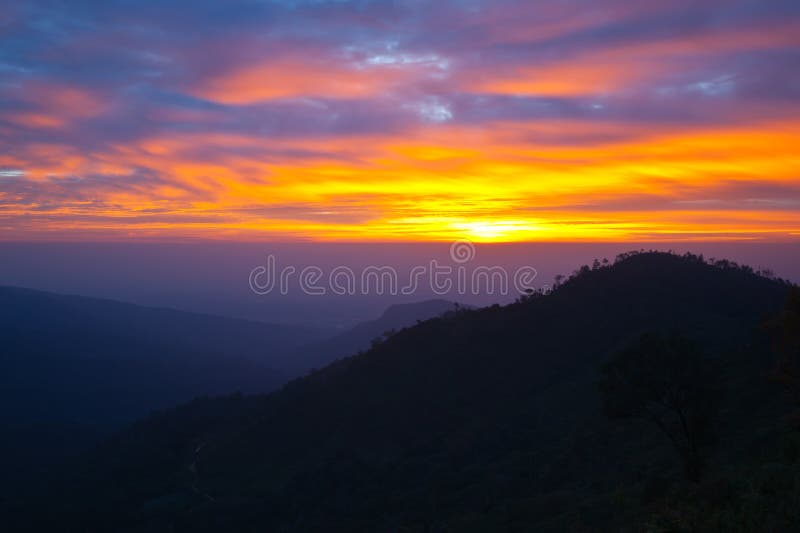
[655,392]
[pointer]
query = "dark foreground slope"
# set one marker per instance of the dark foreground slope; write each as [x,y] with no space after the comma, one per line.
[486,420]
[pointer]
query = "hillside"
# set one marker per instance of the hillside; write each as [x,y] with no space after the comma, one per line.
[361,336]
[482,420]
[73,367]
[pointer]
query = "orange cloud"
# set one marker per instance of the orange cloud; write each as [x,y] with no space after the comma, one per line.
[299,77]
[485,184]
[35,120]
[620,67]
[56,106]
[593,77]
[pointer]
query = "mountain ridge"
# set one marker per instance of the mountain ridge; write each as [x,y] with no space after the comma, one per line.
[455,422]
[75,368]
[358,338]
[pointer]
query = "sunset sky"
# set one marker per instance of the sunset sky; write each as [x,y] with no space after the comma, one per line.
[489,120]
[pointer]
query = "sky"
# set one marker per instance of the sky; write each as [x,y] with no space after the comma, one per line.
[404,120]
[213,277]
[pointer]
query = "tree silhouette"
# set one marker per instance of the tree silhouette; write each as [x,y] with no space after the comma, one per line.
[786,332]
[661,378]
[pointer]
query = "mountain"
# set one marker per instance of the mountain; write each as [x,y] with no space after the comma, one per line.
[481,420]
[75,367]
[361,336]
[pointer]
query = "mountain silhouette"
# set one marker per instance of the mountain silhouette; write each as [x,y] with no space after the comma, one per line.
[360,336]
[74,367]
[479,420]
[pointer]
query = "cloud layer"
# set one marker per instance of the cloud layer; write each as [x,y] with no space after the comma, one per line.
[405,119]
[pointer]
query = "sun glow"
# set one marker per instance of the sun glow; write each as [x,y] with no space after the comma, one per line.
[498,230]
[458,184]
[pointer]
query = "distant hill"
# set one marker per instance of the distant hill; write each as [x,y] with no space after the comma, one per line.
[360,337]
[482,420]
[76,366]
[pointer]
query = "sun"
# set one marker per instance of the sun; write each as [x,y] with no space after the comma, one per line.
[496,230]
